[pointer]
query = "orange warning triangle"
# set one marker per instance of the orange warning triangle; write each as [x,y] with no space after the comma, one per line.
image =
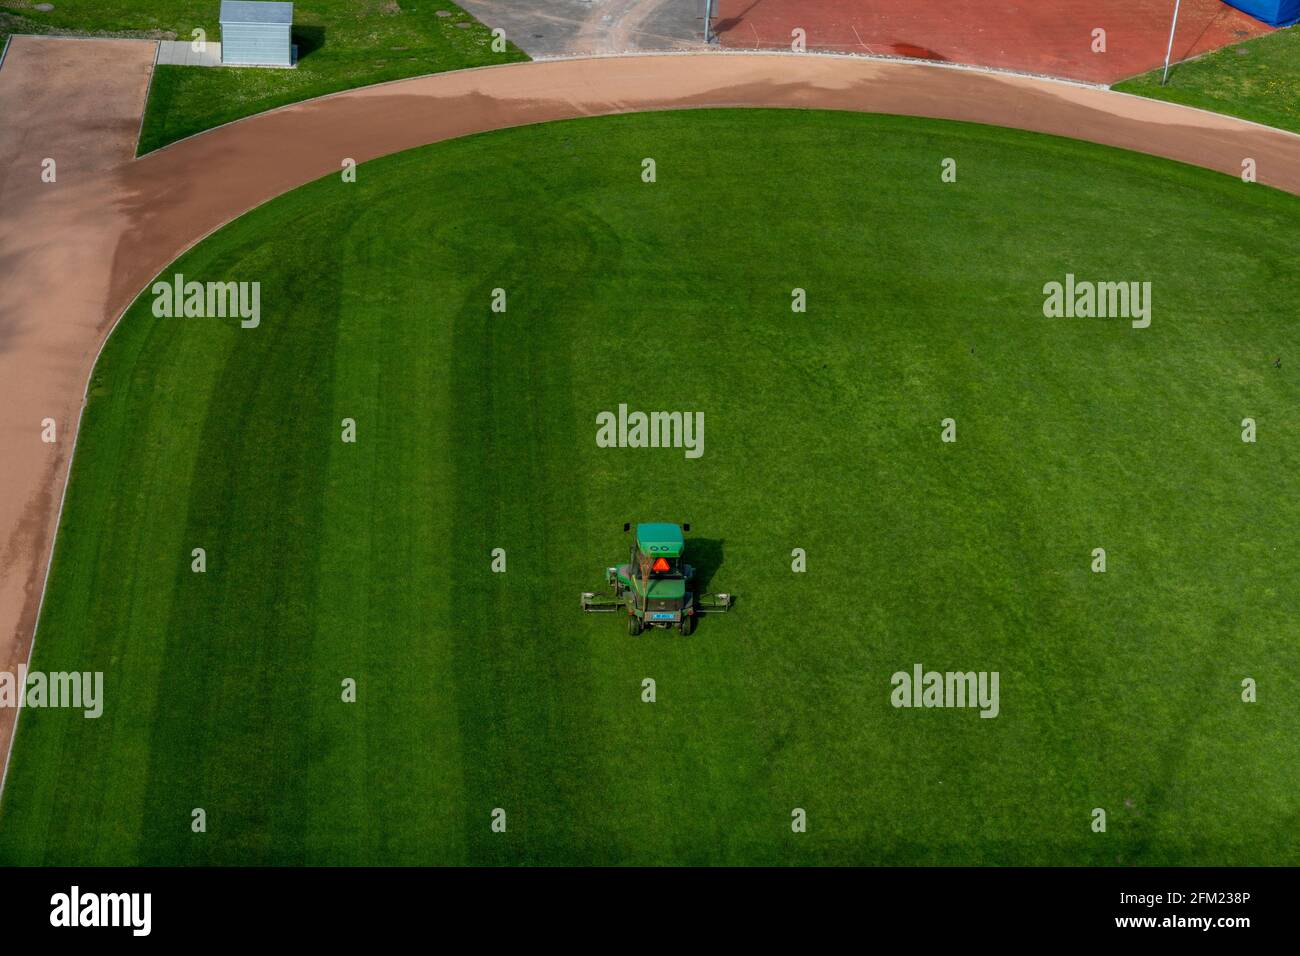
[660,565]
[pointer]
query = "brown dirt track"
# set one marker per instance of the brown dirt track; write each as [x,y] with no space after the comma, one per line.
[75,255]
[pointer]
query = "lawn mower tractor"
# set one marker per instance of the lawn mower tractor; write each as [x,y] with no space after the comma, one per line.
[656,588]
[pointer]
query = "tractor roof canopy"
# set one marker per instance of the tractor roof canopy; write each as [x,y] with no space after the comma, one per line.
[660,538]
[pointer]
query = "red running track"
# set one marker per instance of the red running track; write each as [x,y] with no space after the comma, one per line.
[1050,37]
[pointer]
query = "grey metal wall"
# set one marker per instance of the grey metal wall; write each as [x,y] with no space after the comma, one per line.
[256,43]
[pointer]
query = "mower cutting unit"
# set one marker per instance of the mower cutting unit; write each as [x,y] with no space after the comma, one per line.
[656,588]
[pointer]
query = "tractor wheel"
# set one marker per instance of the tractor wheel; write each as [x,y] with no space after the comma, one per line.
[687,625]
[633,625]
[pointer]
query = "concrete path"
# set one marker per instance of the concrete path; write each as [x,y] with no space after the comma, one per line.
[182,53]
[553,28]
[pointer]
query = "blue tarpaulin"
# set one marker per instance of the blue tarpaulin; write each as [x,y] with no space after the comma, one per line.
[1275,13]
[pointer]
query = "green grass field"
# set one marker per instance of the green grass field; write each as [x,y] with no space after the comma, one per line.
[341,44]
[476,431]
[1258,80]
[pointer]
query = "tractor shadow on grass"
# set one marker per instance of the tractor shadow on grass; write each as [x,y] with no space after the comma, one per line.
[705,555]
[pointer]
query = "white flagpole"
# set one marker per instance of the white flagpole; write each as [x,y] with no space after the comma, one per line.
[1169,52]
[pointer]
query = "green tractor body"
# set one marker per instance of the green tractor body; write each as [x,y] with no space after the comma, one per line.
[655,588]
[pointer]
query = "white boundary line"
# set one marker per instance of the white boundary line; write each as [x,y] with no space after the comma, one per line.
[81,36]
[1201,109]
[148,88]
[910,62]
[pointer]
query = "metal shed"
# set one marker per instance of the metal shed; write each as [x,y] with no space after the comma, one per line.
[256,33]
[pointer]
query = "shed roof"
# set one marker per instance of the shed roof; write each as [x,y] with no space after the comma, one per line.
[256,11]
